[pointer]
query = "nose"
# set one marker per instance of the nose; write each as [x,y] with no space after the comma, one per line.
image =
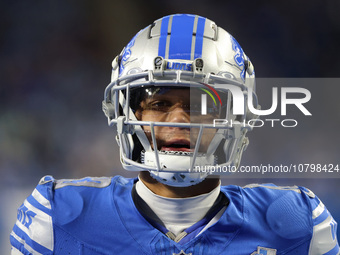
[178,114]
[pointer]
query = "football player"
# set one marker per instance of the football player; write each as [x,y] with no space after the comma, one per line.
[169,85]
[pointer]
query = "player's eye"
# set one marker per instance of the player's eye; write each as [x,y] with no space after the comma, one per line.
[158,105]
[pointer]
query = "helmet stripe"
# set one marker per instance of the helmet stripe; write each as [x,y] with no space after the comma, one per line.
[163,37]
[199,37]
[181,37]
[176,37]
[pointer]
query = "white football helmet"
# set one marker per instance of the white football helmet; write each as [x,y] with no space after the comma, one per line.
[175,52]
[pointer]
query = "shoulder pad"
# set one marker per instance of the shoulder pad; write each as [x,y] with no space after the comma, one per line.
[94,182]
[271,186]
[287,208]
[46,179]
[289,216]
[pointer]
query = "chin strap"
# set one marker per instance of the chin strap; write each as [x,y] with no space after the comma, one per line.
[178,161]
[178,179]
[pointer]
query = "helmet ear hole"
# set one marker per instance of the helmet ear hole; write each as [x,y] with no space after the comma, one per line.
[248,66]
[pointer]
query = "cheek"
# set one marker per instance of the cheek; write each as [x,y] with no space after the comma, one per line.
[207,136]
[205,119]
[159,134]
[159,131]
[150,116]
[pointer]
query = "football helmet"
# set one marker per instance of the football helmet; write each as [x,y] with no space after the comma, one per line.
[181,53]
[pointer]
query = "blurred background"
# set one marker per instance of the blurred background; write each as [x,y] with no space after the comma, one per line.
[55,59]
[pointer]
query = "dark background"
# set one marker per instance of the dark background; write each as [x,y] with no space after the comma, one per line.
[55,59]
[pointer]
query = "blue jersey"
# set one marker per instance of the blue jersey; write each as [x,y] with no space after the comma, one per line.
[97,216]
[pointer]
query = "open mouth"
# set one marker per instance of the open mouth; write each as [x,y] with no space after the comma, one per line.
[177,145]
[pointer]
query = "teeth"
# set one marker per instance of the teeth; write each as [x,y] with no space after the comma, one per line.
[182,153]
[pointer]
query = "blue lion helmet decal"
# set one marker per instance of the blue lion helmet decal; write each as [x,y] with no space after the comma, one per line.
[126,54]
[239,56]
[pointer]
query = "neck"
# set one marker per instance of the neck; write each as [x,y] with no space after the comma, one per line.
[176,214]
[164,190]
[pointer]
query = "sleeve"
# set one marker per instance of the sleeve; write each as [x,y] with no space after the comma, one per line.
[15,251]
[33,230]
[324,240]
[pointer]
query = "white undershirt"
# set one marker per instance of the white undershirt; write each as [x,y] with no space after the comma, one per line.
[177,214]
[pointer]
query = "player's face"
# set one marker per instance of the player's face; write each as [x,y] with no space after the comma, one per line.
[182,105]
